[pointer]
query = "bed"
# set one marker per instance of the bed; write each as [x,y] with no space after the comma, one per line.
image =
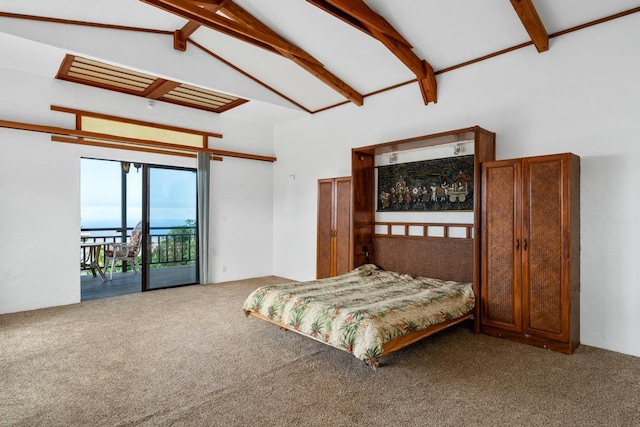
[368,312]
[421,283]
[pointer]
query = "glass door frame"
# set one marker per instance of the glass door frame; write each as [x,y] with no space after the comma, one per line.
[146,207]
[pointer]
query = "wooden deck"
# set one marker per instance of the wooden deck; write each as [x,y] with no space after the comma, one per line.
[131,282]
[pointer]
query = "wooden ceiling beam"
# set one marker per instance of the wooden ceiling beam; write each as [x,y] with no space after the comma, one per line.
[332,10]
[168,8]
[242,25]
[363,13]
[233,11]
[236,12]
[428,85]
[532,23]
[359,15]
[212,5]
[180,36]
[188,9]
[253,24]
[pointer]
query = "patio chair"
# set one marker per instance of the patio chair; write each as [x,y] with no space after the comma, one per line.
[124,251]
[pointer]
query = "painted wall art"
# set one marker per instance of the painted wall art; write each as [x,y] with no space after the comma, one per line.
[428,185]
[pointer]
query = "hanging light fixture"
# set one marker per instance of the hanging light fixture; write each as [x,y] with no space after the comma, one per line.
[125,166]
[137,166]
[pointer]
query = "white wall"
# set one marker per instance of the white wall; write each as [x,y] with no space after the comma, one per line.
[40,189]
[582,96]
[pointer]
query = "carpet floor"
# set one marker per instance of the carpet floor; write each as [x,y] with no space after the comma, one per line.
[190,357]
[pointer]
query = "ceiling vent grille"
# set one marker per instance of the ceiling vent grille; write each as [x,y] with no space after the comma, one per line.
[105,76]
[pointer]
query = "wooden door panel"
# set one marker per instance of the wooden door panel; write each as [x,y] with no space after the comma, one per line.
[364,202]
[543,230]
[325,228]
[500,262]
[342,223]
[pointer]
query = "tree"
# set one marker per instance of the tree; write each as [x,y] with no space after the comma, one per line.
[178,247]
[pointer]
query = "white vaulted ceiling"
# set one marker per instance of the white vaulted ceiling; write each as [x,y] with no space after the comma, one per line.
[36,35]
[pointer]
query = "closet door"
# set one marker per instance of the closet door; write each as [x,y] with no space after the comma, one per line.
[334,227]
[342,224]
[501,245]
[545,293]
[325,229]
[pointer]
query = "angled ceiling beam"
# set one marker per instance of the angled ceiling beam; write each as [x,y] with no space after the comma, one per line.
[212,5]
[176,11]
[242,25]
[532,23]
[362,17]
[190,10]
[239,14]
[180,36]
[370,19]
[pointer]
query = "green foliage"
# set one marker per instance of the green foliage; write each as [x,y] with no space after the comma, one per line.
[178,247]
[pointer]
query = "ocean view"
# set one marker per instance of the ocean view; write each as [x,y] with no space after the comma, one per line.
[160,226]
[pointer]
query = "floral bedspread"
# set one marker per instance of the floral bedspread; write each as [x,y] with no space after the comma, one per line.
[362,310]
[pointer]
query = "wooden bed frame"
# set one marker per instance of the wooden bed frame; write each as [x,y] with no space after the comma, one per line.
[391,346]
[401,247]
[429,250]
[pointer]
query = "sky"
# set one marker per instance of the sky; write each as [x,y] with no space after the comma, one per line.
[172,196]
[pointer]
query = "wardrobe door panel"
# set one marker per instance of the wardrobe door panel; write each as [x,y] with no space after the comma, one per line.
[543,231]
[343,225]
[501,245]
[325,229]
[333,255]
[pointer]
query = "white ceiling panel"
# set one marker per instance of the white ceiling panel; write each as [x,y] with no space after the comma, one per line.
[445,33]
[449,32]
[275,71]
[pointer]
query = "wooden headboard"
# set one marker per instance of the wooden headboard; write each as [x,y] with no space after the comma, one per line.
[437,250]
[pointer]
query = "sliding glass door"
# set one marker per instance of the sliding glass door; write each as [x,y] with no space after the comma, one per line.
[170,227]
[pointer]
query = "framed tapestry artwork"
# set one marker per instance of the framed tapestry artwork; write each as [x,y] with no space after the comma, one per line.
[428,185]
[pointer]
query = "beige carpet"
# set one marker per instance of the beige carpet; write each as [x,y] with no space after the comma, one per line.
[189,357]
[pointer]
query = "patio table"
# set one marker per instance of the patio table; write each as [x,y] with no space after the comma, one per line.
[90,257]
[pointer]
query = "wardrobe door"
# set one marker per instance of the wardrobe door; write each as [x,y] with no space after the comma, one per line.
[545,293]
[334,227]
[342,225]
[501,245]
[325,239]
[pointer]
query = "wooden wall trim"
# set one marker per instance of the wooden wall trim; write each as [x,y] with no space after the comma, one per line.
[134,141]
[83,141]
[133,121]
[82,23]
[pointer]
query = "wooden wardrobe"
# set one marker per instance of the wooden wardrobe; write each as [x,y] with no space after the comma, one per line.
[334,227]
[530,254]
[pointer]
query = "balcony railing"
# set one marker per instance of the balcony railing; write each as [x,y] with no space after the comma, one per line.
[177,247]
